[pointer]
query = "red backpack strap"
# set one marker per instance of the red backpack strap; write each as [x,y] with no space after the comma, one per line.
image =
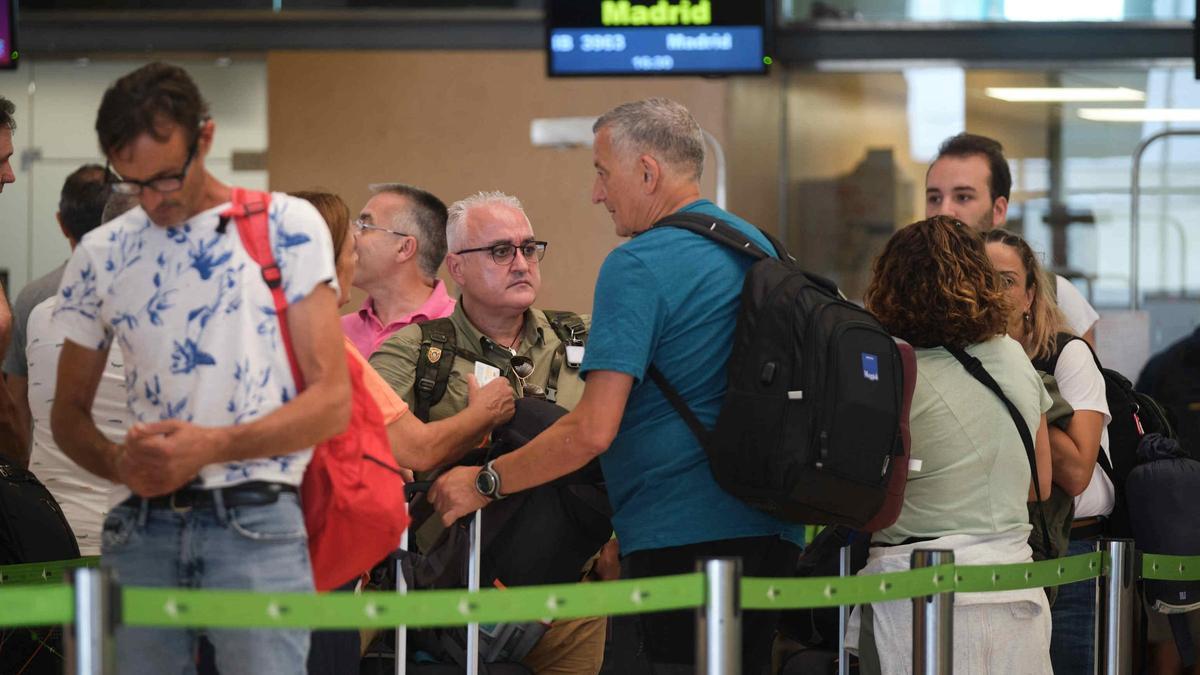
[250,214]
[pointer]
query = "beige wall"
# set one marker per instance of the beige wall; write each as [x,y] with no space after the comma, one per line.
[457,122]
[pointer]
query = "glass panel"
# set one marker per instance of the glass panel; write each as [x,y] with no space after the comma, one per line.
[989,10]
[859,145]
[56,111]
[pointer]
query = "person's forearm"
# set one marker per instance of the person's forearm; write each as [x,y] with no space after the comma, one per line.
[433,445]
[318,413]
[566,446]
[77,436]
[6,320]
[14,442]
[1071,470]
[18,391]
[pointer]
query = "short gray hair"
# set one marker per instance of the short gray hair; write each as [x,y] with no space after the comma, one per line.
[456,224]
[429,214]
[659,127]
[117,204]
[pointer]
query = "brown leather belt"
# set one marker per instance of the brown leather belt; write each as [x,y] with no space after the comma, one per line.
[1087,528]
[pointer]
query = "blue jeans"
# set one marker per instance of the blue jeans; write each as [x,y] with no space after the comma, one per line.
[1072,638]
[247,547]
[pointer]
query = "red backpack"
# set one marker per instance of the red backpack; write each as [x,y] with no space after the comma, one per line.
[353,493]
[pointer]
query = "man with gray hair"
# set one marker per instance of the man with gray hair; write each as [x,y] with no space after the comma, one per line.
[400,241]
[665,301]
[495,331]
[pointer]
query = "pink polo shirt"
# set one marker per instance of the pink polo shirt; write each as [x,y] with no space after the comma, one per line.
[367,332]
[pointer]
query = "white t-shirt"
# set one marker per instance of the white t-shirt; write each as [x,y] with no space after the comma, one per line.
[84,497]
[1082,385]
[195,321]
[1079,314]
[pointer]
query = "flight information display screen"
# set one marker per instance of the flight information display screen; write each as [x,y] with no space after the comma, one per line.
[657,37]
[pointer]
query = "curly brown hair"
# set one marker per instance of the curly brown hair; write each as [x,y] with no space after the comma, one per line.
[934,285]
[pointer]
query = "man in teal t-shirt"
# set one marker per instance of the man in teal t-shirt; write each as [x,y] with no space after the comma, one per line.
[669,298]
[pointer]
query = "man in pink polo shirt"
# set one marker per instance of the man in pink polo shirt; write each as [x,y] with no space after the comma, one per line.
[400,241]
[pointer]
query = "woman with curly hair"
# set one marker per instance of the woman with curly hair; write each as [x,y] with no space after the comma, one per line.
[1036,323]
[970,477]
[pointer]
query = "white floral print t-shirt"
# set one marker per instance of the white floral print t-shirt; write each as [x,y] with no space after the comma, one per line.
[195,321]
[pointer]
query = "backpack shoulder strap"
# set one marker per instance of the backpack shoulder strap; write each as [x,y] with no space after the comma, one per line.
[1061,340]
[676,400]
[571,330]
[435,360]
[976,369]
[249,211]
[569,326]
[716,230]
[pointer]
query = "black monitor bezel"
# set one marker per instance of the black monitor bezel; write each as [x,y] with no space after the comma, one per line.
[768,43]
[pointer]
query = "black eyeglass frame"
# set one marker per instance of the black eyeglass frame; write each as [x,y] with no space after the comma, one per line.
[132,188]
[538,248]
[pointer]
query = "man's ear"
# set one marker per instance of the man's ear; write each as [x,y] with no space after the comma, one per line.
[407,249]
[63,228]
[454,267]
[205,139]
[1000,211]
[650,173]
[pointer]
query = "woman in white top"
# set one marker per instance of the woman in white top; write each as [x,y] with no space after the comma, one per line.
[1039,326]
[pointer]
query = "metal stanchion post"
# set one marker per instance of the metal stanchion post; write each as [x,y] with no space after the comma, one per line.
[719,621]
[473,585]
[89,642]
[1115,647]
[933,621]
[401,666]
[843,614]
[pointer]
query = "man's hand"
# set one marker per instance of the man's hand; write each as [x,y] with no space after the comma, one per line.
[161,457]
[608,563]
[496,398]
[454,494]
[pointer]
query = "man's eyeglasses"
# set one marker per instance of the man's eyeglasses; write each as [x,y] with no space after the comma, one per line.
[503,254]
[363,226]
[162,184]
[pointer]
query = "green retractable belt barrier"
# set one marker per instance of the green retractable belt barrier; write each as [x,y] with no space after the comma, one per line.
[28,598]
[43,572]
[241,609]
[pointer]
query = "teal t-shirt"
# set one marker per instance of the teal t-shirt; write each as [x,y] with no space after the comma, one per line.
[670,297]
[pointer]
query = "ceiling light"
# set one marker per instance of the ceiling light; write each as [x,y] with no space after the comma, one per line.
[1140,114]
[1064,94]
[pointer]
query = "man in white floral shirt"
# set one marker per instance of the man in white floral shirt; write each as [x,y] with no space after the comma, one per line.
[211,466]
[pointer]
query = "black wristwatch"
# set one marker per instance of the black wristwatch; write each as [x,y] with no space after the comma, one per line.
[487,482]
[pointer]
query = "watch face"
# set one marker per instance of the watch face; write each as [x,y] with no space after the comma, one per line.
[485,482]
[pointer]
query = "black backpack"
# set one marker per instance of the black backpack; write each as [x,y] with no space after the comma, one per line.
[435,360]
[810,423]
[543,535]
[32,529]
[1134,415]
[1178,390]
[1161,497]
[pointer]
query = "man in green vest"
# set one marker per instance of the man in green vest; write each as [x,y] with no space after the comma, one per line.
[496,332]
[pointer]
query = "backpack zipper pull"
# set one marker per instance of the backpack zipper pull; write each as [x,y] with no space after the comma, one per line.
[1137,422]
